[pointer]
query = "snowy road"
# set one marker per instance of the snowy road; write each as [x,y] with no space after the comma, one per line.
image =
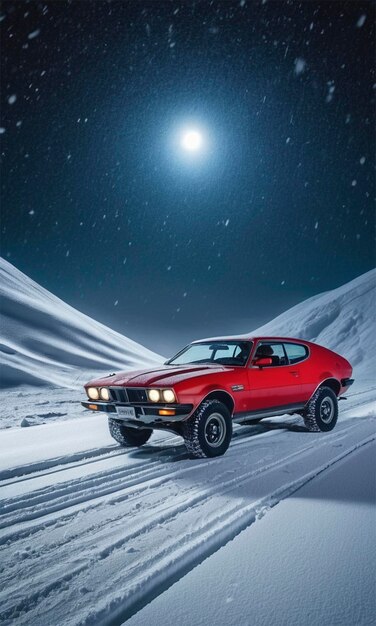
[91,537]
[311,560]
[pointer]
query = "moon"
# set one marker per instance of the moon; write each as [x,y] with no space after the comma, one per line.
[191,140]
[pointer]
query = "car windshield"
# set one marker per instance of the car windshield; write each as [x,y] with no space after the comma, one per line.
[223,352]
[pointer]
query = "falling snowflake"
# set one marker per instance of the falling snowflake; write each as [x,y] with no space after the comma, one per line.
[34,34]
[12,99]
[300,66]
[331,90]
[361,21]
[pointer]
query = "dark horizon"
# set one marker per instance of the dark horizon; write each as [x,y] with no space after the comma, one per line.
[101,205]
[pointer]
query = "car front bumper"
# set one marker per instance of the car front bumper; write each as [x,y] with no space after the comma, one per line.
[144,414]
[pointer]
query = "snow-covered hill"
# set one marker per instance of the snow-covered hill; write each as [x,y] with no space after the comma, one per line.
[342,319]
[44,340]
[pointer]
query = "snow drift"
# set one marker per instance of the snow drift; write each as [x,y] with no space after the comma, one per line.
[342,319]
[44,340]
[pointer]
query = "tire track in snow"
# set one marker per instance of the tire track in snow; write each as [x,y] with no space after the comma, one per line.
[170,512]
[168,566]
[131,490]
[36,506]
[138,492]
[60,464]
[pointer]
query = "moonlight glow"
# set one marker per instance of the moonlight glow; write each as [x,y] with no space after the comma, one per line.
[191,140]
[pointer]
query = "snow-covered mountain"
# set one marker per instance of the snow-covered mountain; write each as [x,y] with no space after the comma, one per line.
[44,340]
[343,320]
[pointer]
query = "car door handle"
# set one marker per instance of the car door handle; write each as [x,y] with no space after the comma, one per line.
[294,373]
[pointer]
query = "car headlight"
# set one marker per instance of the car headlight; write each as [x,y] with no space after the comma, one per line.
[93,393]
[104,393]
[154,395]
[168,395]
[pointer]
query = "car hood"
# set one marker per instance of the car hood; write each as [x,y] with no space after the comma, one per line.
[165,376]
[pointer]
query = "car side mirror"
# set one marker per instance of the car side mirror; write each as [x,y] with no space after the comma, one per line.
[263,362]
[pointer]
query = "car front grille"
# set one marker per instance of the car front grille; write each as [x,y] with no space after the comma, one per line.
[122,394]
[137,395]
[119,394]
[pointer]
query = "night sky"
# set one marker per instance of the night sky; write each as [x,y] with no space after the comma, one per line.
[101,204]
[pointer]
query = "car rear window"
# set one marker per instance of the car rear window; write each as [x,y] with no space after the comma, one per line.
[296,352]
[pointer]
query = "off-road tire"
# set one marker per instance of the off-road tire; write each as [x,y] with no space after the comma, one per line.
[313,414]
[128,437]
[195,430]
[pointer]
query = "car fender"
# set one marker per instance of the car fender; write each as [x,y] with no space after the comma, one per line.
[211,389]
[326,377]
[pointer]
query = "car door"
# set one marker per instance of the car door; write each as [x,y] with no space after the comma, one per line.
[276,385]
[298,355]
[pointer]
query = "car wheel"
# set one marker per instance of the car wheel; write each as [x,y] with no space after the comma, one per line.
[321,412]
[208,432]
[128,437]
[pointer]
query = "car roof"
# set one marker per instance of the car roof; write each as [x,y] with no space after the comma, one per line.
[251,338]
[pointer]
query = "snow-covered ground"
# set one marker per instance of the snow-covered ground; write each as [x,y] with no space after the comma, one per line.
[29,406]
[308,561]
[280,530]
[90,533]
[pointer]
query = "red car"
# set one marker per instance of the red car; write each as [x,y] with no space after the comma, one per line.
[212,383]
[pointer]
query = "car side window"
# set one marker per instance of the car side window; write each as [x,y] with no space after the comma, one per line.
[273,350]
[296,352]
